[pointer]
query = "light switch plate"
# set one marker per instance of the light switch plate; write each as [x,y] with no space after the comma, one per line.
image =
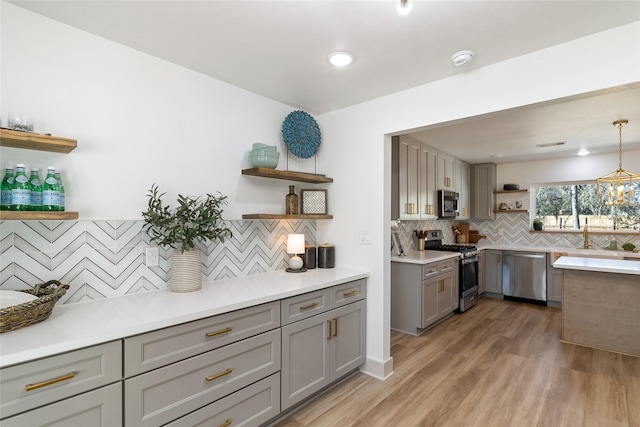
[365,237]
[151,256]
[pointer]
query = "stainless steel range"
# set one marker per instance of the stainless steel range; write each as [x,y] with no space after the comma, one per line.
[467,270]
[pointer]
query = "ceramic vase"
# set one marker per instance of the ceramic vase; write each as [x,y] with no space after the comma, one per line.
[186,274]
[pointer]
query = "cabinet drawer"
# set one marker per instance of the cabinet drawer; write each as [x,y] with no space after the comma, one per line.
[166,394]
[429,270]
[37,383]
[447,265]
[101,407]
[159,348]
[304,306]
[348,293]
[249,407]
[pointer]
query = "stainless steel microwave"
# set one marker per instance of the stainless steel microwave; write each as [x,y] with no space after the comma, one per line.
[448,206]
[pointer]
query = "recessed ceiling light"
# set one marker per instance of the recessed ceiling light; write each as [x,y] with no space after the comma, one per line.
[340,59]
[583,152]
[404,7]
[462,57]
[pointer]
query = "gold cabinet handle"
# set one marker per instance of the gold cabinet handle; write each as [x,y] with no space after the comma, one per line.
[69,376]
[308,307]
[335,327]
[226,423]
[220,332]
[489,211]
[221,374]
[329,335]
[349,294]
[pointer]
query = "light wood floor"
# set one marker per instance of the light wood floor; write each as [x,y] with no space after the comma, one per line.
[499,364]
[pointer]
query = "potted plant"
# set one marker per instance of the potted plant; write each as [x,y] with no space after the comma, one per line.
[193,221]
[628,246]
[537,224]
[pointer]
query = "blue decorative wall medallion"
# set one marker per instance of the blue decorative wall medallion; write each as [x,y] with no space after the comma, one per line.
[301,134]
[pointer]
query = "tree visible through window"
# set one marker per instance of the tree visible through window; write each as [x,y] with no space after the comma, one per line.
[572,205]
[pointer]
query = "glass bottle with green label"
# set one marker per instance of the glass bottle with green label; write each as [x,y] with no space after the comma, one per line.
[7,185]
[20,191]
[35,186]
[61,190]
[50,191]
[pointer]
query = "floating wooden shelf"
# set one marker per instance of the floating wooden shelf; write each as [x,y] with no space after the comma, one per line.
[509,191]
[36,141]
[511,211]
[41,216]
[282,216]
[288,175]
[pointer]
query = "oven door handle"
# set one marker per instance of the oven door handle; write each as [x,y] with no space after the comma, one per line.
[465,261]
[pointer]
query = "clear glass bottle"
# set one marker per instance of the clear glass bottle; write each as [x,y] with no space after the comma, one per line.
[20,191]
[291,201]
[7,185]
[50,191]
[61,190]
[35,187]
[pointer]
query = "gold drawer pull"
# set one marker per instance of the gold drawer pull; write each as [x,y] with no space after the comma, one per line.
[226,423]
[350,294]
[329,335]
[222,374]
[69,376]
[308,307]
[220,332]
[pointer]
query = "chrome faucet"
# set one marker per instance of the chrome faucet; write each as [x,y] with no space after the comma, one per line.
[585,235]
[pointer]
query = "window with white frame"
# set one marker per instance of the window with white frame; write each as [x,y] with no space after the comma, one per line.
[571,205]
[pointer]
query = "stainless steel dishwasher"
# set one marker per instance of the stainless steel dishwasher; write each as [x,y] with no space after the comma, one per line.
[524,276]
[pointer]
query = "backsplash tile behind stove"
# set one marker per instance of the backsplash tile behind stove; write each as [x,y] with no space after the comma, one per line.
[104,259]
[515,232]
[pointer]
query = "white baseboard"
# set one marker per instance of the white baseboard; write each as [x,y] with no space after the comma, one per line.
[377,369]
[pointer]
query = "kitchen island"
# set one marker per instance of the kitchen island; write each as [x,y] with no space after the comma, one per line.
[601,303]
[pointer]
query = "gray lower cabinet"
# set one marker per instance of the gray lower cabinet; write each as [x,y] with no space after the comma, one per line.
[31,389]
[492,271]
[101,407]
[422,294]
[323,346]
[554,282]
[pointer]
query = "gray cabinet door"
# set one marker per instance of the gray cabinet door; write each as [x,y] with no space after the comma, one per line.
[430,312]
[347,339]
[446,298]
[483,183]
[97,408]
[493,271]
[305,361]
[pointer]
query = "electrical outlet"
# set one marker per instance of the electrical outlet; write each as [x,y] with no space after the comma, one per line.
[501,232]
[365,237]
[151,256]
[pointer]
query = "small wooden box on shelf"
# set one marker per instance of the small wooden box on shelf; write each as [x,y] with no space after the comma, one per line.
[39,142]
[311,178]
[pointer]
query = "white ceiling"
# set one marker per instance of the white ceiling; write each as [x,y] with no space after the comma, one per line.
[278,49]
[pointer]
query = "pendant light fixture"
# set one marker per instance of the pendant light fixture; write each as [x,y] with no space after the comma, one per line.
[621,187]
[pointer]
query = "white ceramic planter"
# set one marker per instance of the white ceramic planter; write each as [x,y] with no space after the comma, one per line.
[186,274]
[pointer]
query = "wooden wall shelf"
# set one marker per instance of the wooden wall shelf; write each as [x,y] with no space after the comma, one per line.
[283,216]
[36,141]
[509,191]
[34,215]
[288,175]
[511,211]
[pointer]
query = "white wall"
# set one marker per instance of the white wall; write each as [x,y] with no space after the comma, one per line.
[140,120]
[137,119]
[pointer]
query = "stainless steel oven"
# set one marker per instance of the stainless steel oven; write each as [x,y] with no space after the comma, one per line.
[447,204]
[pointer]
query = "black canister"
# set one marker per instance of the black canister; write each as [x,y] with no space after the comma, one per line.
[309,257]
[326,256]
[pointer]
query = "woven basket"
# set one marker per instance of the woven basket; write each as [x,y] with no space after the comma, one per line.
[32,312]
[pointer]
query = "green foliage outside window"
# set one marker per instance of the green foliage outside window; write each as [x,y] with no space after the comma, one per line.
[569,206]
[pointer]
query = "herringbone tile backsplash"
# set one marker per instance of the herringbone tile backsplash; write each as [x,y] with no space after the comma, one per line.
[105,259]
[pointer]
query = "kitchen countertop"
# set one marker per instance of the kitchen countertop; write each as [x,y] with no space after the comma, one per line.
[84,324]
[620,254]
[424,257]
[598,264]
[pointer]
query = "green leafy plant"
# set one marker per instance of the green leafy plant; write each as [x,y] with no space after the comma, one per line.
[193,220]
[628,246]
[537,221]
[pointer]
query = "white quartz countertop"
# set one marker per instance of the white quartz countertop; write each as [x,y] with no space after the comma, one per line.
[424,257]
[599,264]
[78,325]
